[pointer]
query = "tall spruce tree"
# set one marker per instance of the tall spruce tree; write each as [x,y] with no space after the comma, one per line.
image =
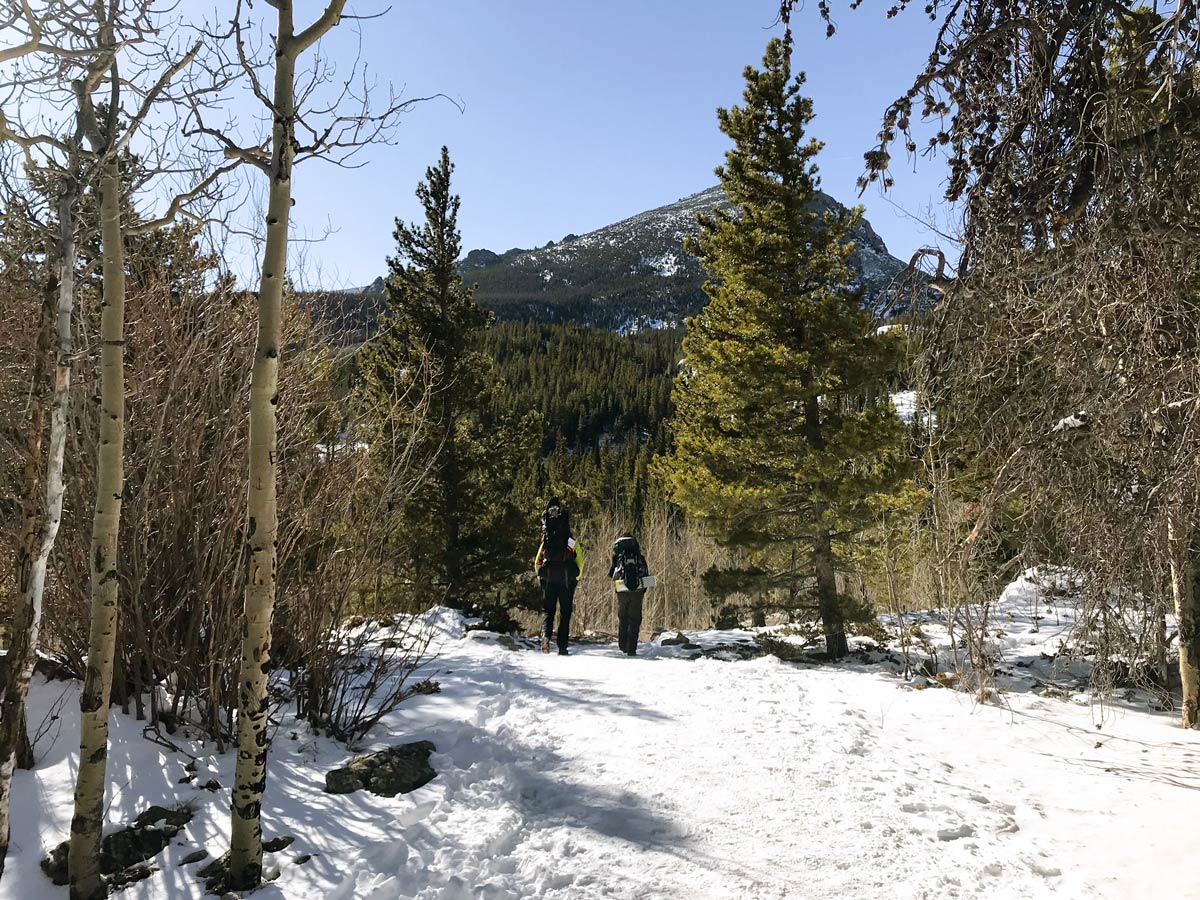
[783,434]
[463,526]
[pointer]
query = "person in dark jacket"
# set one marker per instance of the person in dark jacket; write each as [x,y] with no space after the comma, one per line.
[628,567]
[559,563]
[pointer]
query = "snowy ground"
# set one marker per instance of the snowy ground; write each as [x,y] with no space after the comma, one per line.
[599,776]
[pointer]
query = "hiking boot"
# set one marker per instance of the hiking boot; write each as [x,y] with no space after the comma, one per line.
[562,651]
[545,645]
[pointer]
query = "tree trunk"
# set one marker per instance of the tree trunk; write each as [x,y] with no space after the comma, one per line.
[88,822]
[827,597]
[245,863]
[22,646]
[828,601]
[35,555]
[1185,585]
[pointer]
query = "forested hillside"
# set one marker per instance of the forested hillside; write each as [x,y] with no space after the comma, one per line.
[593,388]
[629,276]
[715,550]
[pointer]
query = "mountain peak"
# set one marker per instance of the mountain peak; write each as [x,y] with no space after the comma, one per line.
[635,273]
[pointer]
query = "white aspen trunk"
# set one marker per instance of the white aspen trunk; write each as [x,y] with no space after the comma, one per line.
[1185,585]
[262,516]
[262,521]
[22,652]
[890,566]
[12,707]
[88,822]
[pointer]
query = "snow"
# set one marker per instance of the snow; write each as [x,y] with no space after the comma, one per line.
[665,264]
[905,403]
[600,776]
[644,323]
[1076,420]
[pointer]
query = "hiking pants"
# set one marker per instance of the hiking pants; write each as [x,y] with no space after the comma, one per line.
[561,595]
[629,619]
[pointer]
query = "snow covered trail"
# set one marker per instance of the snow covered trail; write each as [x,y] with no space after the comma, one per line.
[602,776]
[599,776]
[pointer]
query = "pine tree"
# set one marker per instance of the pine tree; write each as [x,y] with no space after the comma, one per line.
[782,435]
[426,376]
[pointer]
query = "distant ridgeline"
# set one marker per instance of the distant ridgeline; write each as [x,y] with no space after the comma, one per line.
[634,274]
[626,277]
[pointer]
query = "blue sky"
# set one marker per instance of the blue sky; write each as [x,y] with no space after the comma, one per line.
[577,113]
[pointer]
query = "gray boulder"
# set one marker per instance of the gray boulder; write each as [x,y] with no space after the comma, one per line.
[396,770]
[123,851]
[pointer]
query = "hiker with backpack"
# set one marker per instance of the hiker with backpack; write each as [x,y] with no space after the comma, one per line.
[630,576]
[559,563]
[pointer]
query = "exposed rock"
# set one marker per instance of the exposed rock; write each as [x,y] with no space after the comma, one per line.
[194,857]
[217,869]
[677,640]
[396,770]
[730,652]
[955,834]
[627,276]
[126,877]
[280,843]
[635,274]
[123,852]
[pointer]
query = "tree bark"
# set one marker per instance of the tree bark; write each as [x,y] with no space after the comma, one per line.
[35,553]
[828,601]
[262,517]
[1185,585]
[88,822]
[262,523]
[12,706]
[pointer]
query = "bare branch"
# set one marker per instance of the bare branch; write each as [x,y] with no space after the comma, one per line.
[178,205]
[314,32]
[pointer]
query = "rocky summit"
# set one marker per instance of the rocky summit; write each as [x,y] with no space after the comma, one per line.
[626,277]
[635,274]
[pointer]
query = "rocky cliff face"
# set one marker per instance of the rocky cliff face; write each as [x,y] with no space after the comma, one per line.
[628,276]
[634,274]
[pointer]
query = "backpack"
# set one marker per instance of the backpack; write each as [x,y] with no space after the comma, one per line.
[629,563]
[556,533]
